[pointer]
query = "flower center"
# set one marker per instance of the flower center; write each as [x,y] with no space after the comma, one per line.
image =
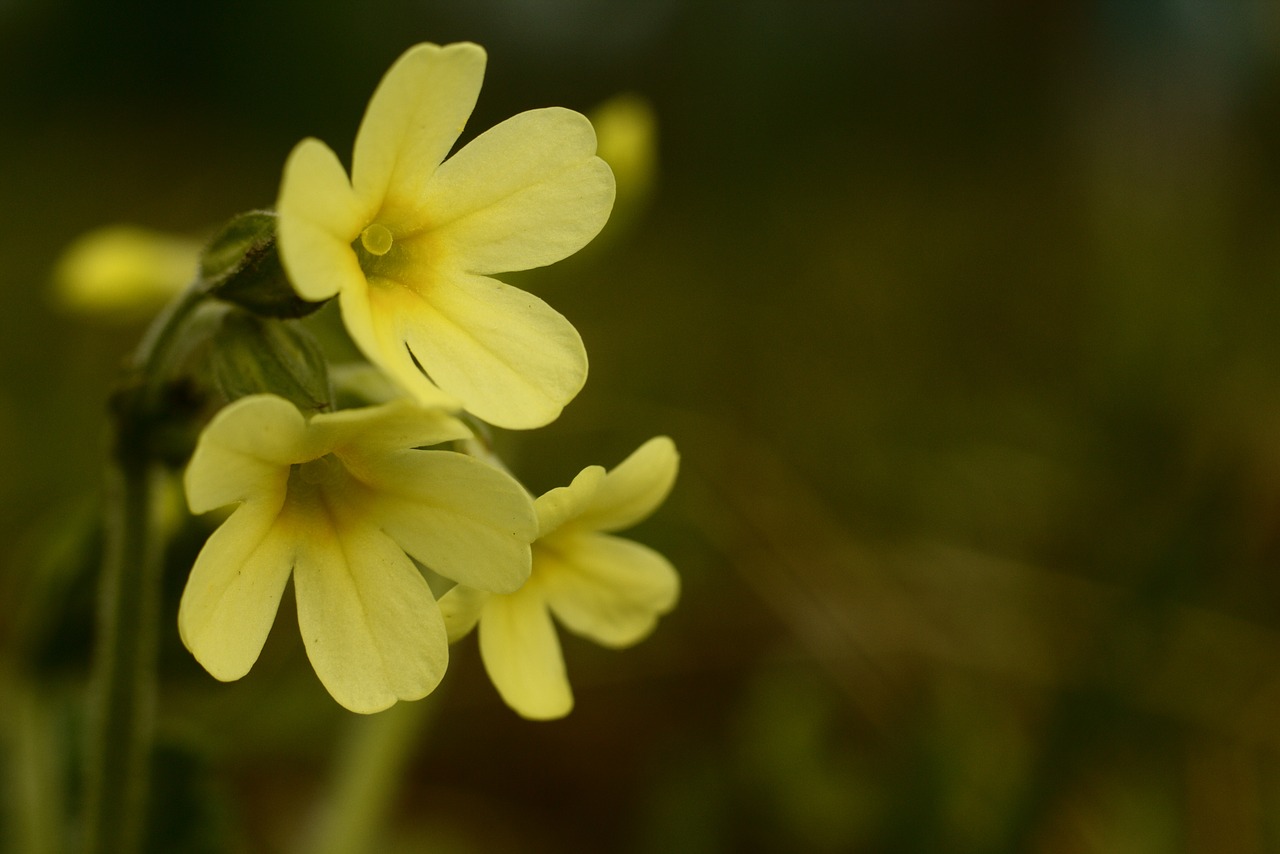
[306,478]
[376,239]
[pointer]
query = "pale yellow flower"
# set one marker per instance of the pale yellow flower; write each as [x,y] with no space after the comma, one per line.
[124,271]
[337,501]
[410,242]
[605,588]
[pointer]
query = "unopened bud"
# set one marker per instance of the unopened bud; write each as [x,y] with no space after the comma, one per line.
[253,355]
[241,265]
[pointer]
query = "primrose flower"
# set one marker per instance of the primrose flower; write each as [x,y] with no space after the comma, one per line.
[338,501]
[605,588]
[410,242]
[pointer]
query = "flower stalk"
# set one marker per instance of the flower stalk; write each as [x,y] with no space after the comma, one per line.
[117,772]
[123,684]
[366,777]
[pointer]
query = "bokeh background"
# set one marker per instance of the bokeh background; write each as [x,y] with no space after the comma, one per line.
[963,315]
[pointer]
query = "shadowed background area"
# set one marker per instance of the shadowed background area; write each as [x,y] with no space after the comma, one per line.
[963,317]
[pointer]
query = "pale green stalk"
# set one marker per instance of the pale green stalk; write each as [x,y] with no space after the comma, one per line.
[33,771]
[117,772]
[366,777]
[122,702]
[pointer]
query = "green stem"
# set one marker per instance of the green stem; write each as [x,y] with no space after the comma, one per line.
[33,773]
[366,777]
[122,711]
[117,772]
[161,334]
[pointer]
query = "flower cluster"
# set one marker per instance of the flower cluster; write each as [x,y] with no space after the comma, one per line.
[351,503]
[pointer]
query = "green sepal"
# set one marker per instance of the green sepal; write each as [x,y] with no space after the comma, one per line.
[253,355]
[241,266]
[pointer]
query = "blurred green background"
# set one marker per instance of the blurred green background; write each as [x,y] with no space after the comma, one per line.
[963,316]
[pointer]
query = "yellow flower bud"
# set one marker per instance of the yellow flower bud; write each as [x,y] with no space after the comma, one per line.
[124,271]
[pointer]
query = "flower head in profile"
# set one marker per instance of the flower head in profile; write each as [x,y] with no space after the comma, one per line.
[410,242]
[605,588]
[341,501]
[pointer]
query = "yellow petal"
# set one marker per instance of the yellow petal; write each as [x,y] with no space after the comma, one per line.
[528,192]
[361,381]
[369,622]
[245,451]
[522,655]
[319,217]
[413,119]
[461,608]
[394,426]
[563,503]
[511,359]
[633,489]
[234,589]
[378,335]
[605,588]
[462,518]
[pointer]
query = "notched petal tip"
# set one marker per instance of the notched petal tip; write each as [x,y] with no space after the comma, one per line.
[243,451]
[635,488]
[562,504]
[319,216]
[511,359]
[468,49]
[609,589]
[369,622]
[528,192]
[414,117]
[233,592]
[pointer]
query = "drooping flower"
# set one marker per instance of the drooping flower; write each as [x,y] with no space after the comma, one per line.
[605,588]
[410,243]
[338,501]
